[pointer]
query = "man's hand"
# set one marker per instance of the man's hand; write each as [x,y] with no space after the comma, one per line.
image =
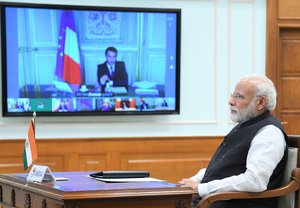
[189,183]
[104,79]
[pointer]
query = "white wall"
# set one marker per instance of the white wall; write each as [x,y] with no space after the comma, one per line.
[222,40]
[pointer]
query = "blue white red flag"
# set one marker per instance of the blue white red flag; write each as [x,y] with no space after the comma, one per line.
[68,54]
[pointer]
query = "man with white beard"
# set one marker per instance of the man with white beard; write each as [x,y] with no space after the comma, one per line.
[253,154]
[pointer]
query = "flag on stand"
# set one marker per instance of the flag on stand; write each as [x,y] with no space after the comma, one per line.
[68,55]
[30,153]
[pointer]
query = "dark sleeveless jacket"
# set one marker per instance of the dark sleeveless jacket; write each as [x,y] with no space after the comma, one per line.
[230,159]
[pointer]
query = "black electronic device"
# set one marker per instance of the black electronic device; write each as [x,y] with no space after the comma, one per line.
[120,174]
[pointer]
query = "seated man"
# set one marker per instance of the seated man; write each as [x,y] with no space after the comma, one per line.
[144,105]
[112,72]
[164,103]
[253,154]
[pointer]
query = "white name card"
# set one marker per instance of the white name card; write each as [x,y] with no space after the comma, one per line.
[40,173]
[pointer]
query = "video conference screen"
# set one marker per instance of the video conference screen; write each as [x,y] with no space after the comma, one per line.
[77,60]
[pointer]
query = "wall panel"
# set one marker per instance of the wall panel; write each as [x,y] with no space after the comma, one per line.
[288,9]
[291,120]
[170,166]
[290,96]
[288,77]
[291,56]
[54,161]
[92,162]
[169,158]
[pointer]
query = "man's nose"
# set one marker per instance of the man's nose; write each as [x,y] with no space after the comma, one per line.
[231,101]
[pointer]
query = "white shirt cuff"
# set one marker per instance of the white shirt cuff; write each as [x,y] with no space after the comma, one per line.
[203,189]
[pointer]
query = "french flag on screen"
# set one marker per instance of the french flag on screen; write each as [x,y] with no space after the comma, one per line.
[68,55]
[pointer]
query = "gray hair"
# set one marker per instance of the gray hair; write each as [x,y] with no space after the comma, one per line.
[264,87]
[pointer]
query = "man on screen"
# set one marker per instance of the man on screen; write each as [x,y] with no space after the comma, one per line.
[144,105]
[112,72]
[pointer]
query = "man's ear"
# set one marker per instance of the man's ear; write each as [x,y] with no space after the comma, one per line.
[262,103]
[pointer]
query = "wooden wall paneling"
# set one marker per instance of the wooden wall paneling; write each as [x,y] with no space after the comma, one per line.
[292,119]
[170,167]
[288,9]
[11,155]
[55,154]
[290,51]
[283,59]
[272,44]
[172,160]
[113,160]
[290,95]
[11,164]
[55,162]
[169,158]
[92,162]
[289,79]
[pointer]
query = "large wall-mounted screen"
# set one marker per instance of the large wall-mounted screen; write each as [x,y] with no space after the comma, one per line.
[84,60]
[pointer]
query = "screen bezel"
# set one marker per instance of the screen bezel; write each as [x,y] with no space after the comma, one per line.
[5,112]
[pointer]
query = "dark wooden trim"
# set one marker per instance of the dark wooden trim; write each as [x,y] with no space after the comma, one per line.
[13,198]
[272,41]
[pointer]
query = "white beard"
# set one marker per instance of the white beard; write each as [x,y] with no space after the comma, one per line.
[242,115]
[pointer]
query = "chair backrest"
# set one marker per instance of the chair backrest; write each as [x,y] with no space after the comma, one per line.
[294,141]
[288,201]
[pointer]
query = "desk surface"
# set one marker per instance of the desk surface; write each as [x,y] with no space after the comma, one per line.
[49,91]
[81,187]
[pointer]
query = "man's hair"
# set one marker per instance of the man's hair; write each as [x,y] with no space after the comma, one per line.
[113,49]
[264,87]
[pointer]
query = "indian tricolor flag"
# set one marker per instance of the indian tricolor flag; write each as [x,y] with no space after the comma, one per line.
[30,153]
[68,54]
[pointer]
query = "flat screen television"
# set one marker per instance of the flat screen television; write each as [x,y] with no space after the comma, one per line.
[65,60]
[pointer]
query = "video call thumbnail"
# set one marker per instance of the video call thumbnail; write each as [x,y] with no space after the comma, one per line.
[89,104]
[105,104]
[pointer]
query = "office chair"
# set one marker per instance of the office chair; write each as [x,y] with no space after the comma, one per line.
[289,192]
